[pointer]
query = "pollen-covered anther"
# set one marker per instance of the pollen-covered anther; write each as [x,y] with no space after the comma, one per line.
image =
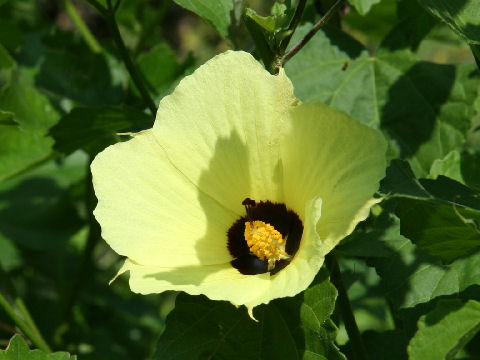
[265,242]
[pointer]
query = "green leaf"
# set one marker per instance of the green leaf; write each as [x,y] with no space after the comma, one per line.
[22,103]
[411,276]
[445,230]
[272,23]
[463,16]
[68,69]
[337,70]
[289,328]
[18,349]
[51,219]
[443,332]
[449,166]
[93,129]
[363,6]
[215,12]
[161,69]
[449,210]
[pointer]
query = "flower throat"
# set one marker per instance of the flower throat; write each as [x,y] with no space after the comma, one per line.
[266,239]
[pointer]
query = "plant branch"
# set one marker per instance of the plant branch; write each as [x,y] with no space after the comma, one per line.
[311,33]
[294,23]
[81,26]
[33,335]
[358,348]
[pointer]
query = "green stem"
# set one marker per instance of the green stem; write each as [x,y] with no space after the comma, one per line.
[82,27]
[33,335]
[311,33]
[112,23]
[358,348]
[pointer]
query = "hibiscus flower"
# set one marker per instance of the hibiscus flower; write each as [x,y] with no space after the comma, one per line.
[239,190]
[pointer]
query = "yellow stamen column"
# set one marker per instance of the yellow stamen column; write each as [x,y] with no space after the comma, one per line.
[265,242]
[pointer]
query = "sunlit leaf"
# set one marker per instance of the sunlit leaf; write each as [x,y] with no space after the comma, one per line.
[443,332]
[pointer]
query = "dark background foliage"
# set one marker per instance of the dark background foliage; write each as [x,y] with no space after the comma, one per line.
[74,74]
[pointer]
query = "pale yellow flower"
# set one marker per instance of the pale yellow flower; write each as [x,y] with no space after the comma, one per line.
[231,131]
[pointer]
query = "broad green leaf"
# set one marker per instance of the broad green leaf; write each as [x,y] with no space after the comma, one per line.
[463,16]
[289,328]
[449,210]
[443,332]
[423,108]
[411,276]
[445,230]
[93,129]
[363,6]
[215,12]
[18,350]
[27,144]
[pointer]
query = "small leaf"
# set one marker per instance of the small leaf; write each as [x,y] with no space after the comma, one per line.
[26,144]
[443,332]
[363,6]
[17,349]
[215,12]
[289,328]
[93,129]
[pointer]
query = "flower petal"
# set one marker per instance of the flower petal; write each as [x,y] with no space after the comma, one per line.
[326,153]
[221,128]
[150,212]
[217,282]
[297,275]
